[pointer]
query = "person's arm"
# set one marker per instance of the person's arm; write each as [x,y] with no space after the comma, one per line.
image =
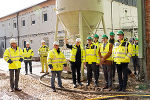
[69,46]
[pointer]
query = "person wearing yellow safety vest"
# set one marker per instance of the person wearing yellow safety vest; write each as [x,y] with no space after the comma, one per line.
[77,57]
[112,40]
[92,60]
[14,56]
[28,54]
[122,52]
[43,52]
[105,53]
[135,57]
[56,61]
[98,44]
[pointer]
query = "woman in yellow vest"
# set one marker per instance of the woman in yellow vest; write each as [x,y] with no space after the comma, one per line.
[122,52]
[28,54]
[106,61]
[14,57]
[77,57]
[43,52]
[56,61]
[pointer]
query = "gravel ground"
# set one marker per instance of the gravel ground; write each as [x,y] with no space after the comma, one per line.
[33,90]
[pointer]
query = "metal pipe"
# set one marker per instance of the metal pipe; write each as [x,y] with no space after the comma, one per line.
[18,27]
[112,15]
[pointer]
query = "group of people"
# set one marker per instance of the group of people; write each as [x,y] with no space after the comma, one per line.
[110,54]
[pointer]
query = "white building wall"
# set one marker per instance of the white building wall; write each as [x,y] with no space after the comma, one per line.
[120,19]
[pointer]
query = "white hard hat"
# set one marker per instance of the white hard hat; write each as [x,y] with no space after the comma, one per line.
[42,41]
[27,43]
[13,40]
[55,43]
[78,40]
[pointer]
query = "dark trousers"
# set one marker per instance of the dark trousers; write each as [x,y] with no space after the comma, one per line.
[122,70]
[14,80]
[53,78]
[76,68]
[98,67]
[113,70]
[136,64]
[107,69]
[26,66]
[91,68]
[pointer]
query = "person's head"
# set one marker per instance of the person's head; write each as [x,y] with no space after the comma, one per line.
[136,40]
[96,37]
[89,40]
[13,43]
[78,41]
[42,42]
[56,45]
[105,38]
[120,35]
[27,44]
[112,35]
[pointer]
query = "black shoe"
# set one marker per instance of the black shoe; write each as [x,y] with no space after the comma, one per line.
[75,86]
[30,72]
[61,86]
[135,73]
[120,89]
[54,90]
[80,84]
[96,85]
[106,87]
[124,90]
[88,84]
[12,90]
[26,74]
[17,89]
[110,88]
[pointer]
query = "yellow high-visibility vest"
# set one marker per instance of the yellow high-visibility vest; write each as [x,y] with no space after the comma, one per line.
[28,54]
[91,54]
[14,55]
[122,52]
[57,60]
[43,51]
[135,50]
[73,54]
[105,51]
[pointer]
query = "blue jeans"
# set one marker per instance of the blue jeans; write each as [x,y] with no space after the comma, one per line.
[53,78]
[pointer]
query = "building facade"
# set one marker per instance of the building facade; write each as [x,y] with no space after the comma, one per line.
[39,22]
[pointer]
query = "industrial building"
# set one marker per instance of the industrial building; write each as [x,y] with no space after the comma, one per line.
[39,22]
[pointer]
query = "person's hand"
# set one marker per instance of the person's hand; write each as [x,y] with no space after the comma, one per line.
[97,64]
[84,65]
[66,40]
[50,66]
[21,59]
[65,65]
[10,61]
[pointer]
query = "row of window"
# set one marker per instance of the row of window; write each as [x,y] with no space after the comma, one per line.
[128,2]
[23,22]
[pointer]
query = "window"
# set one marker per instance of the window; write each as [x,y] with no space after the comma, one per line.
[23,22]
[45,17]
[33,22]
[15,25]
[32,19]
[61,43]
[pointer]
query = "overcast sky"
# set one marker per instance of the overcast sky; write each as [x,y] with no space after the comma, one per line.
[11,6]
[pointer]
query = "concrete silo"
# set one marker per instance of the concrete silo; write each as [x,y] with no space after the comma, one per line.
[79,16]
